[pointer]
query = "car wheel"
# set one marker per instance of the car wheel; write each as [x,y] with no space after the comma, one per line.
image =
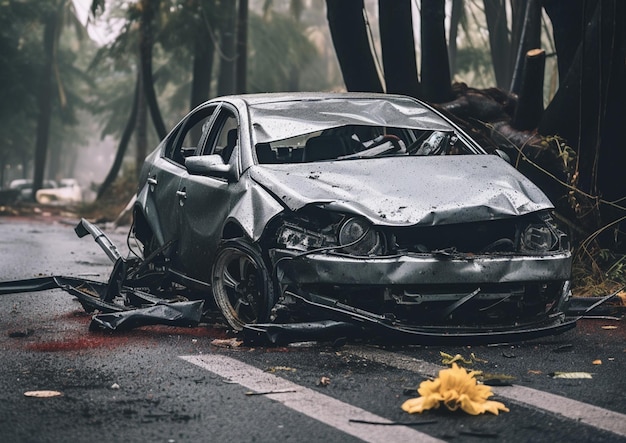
[242,285]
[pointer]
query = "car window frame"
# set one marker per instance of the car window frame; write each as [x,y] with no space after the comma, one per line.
[221,115]
[173,147]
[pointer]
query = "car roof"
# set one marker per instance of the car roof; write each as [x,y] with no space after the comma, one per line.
[276,97]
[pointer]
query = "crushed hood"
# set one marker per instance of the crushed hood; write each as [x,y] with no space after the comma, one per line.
[407,190]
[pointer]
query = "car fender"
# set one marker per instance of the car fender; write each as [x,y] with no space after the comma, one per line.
[254,210]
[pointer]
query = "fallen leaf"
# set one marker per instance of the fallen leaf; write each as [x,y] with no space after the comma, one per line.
[534,372]
[280,368]
[227,342]
[596,362]
[324,381]
[571,375]
[448,359]
[42,394]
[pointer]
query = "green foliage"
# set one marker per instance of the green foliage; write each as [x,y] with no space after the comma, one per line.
[474,64]
[278,48]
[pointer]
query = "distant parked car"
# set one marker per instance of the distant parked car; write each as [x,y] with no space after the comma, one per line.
[69,191]
[25,187]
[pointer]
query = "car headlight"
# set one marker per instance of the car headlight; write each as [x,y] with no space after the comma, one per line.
[356,236]
[538,238]
[296,237]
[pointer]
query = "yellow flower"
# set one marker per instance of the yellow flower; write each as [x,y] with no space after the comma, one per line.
[455,387]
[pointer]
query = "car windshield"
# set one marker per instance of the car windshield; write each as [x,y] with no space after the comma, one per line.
[333,129]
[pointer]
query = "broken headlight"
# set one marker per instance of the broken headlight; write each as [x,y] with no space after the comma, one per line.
[542,237]
[296,237]
[358,237]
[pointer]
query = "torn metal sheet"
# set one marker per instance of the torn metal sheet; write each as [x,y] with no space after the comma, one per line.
[186,314]
[114,316]
[388,328]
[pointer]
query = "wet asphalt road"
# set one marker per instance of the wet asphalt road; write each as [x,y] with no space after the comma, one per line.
[135,386]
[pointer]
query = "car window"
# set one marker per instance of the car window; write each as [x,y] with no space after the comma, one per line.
[191,135]
[359,142]
[224,136]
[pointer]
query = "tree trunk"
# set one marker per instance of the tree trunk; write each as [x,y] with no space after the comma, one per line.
[141,130]
[146,41]
[530,38]
[294,71]
[396,38]
[352,46]
[591,117]
[202,67]
[51,24]
[242,47]
[228,66]
[121,149]
[530,104]
[455,18]
[499,44]
[436,86]
[567,28]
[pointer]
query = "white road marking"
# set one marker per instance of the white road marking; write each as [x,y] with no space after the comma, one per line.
[311,403]
[595,416]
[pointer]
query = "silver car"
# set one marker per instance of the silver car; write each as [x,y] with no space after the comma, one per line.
[368,208]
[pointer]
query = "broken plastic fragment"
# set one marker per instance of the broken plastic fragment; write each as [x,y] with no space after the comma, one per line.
[596,362]
[456,388]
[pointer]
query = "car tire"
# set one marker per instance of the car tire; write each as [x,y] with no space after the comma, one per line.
[242,285]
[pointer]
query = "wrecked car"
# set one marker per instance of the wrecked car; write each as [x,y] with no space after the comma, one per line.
[365,208]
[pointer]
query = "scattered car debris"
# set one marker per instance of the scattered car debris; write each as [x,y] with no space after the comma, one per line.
[393,423]
[496,379]
[596,362]
[563,348]
[284,391]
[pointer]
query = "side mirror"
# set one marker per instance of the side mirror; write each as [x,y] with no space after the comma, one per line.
[210,165]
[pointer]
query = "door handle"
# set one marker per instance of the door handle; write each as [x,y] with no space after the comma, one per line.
[152,181]
[181,194]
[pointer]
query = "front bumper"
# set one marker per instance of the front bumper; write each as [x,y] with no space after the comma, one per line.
[419,269]
[429,298]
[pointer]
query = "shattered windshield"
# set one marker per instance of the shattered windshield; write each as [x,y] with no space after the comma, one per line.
[332,129]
